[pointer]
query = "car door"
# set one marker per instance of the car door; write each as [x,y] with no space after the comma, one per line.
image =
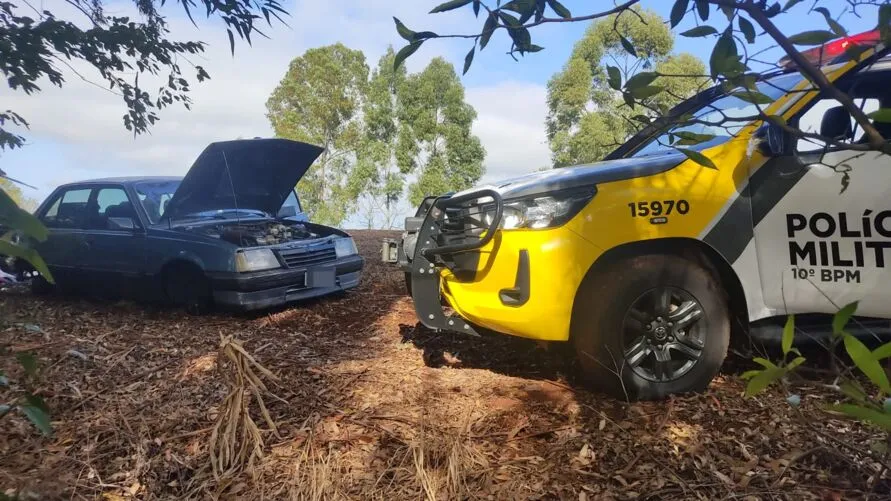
[823,216]
[64,215]
[115,237]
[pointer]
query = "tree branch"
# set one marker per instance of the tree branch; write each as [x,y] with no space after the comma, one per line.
[814,74]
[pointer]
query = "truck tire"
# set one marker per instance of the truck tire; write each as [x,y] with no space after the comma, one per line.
[651,326]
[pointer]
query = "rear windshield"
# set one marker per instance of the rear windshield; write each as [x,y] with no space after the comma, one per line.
[716,111]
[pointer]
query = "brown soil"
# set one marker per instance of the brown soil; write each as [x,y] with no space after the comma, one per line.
[373,406]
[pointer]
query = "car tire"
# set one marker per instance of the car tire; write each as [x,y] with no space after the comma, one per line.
[40,286]
[651,326]
[187,287]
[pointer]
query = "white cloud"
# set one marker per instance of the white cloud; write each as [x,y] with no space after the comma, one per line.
[510,124]
[83,122]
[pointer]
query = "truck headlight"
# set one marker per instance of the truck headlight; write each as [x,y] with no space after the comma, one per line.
[344,247]
[545,210]
[256,260]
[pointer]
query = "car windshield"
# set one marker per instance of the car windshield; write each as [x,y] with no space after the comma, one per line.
[716,111]
[154,197]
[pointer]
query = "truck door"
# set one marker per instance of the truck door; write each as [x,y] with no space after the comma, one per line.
[823,215]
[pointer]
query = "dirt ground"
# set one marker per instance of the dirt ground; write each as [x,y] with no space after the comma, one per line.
[370,405]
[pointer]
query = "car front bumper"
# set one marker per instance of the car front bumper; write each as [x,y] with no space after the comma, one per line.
[265,289]
[523,282]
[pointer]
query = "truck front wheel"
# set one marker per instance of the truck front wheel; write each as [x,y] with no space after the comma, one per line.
[651,326]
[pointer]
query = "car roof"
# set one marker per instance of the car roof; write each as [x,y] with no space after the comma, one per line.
[127,180]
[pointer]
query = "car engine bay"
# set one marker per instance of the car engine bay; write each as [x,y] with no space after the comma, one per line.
[256,234]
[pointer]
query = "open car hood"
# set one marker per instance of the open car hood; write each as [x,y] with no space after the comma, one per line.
[254,174]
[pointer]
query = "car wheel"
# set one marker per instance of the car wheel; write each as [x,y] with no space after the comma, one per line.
[40,286]
[651,326]
[188,288]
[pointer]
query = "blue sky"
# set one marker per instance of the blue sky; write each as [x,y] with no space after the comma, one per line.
[77,132]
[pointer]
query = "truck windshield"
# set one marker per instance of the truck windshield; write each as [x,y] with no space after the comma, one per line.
[154,196]
[721,109]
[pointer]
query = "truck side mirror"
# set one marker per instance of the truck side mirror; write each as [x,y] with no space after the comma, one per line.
[771,140]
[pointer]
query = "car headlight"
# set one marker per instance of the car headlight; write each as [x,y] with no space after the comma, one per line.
[545,210]
[256,260]
[344,247]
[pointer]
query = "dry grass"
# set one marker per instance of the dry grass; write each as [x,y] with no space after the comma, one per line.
[236,442]
[164,408]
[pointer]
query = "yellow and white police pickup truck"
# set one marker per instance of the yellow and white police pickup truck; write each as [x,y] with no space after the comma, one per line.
[647,262]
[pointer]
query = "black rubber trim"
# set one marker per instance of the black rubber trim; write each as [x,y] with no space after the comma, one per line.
[519,294]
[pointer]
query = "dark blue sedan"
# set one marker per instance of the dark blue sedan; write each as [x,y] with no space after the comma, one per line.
[232,232]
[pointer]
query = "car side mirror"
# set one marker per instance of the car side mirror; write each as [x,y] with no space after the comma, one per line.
[772,140]
[122,223]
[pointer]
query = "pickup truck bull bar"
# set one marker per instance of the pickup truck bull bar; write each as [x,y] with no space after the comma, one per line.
[441,236]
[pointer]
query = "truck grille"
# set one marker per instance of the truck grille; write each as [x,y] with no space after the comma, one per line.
[300,258]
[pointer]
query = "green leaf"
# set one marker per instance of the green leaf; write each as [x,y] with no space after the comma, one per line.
[406,51]
[882,115]
[644,92]
[833,24]
[508,19]
[476,8]
[884,15]
[521,37]
[747,29]
[841,318]
[534,48]
[724,57]
[38,416]
[790,4]
[728,11]
[700,31]
[867,364]
[688,138]
[882,352]
[641,79]
[866,414]
[627,46]
[28,362]
[30,255]
[814,37]
[614,77]
[788,334]
[468,59]
[404,32]
[753,97]
[35,401]
[773,10]
[852,390]
[702,7]
[629,99]
[750,374]
[13,216]
[678,10]
[761,381]
[795,362]
[559,9]
[451,5]
[698,158]
[525,8]
[763,362]
[489,28]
